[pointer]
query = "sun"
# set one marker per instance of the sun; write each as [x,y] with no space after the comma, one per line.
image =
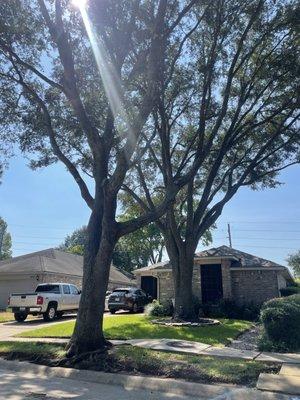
[79,3]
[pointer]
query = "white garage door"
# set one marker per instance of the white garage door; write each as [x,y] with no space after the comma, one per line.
[8,286]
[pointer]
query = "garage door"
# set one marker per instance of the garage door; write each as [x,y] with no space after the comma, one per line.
[8,286]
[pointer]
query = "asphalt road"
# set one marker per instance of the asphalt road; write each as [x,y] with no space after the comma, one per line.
[27,386]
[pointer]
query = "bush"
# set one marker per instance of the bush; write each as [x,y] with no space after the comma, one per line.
[155,309]
[229,309]
[281,320]
[289,291]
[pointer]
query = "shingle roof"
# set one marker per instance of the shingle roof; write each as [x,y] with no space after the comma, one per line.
[245,259]
[54,261]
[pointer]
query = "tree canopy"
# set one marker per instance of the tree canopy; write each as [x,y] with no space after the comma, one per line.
[5,241]
[294,262]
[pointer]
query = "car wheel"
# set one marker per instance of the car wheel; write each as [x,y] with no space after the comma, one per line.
[20,317]
[112,311]
[50,314]
[135,308]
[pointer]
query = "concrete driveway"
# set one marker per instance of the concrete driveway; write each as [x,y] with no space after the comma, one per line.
[9,329]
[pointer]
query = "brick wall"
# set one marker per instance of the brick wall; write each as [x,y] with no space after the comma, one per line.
[226,279]
[166,285]
[254,286]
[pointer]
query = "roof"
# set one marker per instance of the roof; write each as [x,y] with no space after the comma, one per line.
[54,261]
[246,259]
[243,259]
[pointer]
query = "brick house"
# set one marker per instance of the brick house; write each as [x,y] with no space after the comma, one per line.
[25,272]
[220,273]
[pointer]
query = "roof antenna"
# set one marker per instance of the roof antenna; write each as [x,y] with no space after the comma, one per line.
[229,235]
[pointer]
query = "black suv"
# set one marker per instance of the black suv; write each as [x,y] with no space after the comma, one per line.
[130,299]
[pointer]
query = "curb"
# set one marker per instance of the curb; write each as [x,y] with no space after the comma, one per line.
[171,386]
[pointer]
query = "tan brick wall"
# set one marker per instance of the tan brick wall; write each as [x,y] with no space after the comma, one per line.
[166,285]
[254,286]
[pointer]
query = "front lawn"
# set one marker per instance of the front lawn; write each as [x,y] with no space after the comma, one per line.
[140,327]
[6,316]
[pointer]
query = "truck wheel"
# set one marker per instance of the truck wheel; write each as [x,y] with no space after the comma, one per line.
[50,314]
[20,317]
[59,314]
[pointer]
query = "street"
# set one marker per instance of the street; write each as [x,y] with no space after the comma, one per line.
[27,386]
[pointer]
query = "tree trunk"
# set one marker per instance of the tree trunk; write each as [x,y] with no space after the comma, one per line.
[182,261]
[88,332]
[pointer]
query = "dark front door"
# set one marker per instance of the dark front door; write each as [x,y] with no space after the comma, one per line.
[149,285]
[211,283]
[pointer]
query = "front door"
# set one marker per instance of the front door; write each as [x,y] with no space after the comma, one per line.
[211,283]
[149,285]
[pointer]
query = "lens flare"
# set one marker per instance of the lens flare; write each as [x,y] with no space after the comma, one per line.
[110,79]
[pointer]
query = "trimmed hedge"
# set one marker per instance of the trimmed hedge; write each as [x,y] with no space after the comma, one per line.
[229,309]
[281,320]
[155,309]
[289,291]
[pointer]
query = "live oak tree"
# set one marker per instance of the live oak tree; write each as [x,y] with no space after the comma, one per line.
[234,106]
[294,262]
[5,241]
[56,107]
[138,249]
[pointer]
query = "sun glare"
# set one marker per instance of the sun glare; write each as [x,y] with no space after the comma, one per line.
[79,3]
[110,79]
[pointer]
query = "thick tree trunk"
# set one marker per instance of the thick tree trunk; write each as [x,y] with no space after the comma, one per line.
[182,261]
[88,333]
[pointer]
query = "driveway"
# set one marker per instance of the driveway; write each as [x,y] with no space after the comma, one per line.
[9,329]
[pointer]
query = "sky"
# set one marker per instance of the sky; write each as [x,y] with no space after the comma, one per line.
[42,207]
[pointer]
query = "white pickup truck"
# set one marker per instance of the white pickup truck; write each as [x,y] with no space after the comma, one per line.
[49,299]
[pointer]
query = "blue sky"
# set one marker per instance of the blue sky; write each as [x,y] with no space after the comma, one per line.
[42,207]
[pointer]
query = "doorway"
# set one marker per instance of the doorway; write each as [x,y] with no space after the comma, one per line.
[211,283]
[149,285]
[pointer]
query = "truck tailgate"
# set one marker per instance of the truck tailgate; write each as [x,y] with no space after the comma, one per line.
[23,300]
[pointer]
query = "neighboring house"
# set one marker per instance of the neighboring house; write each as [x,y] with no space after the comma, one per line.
[24,273]
[220,273]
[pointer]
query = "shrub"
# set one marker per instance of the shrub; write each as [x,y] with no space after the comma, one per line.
[289,291]
[155,309]
[281,320]
[229,309]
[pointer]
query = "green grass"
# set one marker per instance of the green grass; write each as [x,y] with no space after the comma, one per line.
[140,327]
[13,349]
[8,316]
[128,359]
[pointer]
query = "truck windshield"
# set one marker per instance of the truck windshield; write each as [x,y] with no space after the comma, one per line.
[47,289]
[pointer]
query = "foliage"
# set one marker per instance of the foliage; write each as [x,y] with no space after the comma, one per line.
[5,241]
[155,309]
[294,262]
[230,309]
[136,250]
[290,290]
[281,320]
[140,327]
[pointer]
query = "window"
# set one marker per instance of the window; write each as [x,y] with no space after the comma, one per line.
[47,289]
[66,289]
[74,289]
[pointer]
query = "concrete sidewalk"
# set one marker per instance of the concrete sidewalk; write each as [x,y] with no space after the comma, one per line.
[22,380]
